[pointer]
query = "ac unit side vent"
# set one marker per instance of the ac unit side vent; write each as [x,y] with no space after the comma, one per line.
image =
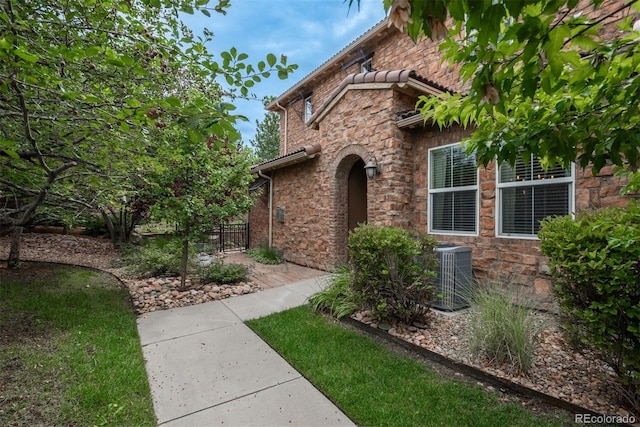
[454,278]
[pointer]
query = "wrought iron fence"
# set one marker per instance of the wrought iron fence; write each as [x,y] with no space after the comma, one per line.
[229,237]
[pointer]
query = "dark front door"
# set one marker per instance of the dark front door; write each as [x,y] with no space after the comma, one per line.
[357,195]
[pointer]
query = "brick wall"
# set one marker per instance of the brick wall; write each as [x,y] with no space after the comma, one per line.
[363,125]
[259,219]
[394,51]
[519,259]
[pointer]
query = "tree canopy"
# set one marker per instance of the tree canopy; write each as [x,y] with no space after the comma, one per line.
[86,88]
[266,144]
[558,79]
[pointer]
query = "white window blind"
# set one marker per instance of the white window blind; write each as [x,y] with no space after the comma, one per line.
[527,194]
[453,191]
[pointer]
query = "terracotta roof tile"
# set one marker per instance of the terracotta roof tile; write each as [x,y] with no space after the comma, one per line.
[391,76]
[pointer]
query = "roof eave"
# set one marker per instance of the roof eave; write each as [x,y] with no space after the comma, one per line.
[294,90]
[306,153]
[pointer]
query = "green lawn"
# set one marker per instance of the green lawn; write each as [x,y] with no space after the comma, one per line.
[377,387]
[69,351]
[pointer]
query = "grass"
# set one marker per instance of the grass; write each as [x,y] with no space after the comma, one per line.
[376,386]
[70,352]
[501,331]
[265,255]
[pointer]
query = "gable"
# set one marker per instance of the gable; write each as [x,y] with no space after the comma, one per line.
[406,81]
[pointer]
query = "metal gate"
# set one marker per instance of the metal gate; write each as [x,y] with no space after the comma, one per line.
[230,237]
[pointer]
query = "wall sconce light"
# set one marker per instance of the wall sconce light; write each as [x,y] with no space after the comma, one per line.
[372,168]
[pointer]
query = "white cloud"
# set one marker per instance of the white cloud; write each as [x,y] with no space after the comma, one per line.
[308,32]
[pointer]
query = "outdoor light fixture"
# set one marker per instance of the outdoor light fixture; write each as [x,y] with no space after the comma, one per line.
[372,168]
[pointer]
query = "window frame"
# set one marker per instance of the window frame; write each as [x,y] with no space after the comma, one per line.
[431,191]
[308,107]
[363,65]
[570,181]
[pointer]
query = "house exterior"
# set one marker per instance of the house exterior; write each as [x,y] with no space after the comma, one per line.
[356,110]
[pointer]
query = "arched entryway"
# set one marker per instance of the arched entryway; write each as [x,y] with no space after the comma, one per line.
[350,198]
[356,196]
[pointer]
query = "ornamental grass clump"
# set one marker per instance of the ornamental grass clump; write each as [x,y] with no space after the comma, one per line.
[265,255]
[338,298]
[502,330]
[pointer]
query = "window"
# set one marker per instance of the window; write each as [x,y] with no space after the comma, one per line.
[453,191]
[308,108]
[366,66]
[527,194]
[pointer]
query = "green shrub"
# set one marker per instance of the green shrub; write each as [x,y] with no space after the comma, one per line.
[501,329]
[338,298]
[265,255]
[224,274]
[94,226]
[157,257]
[393,271]
[595,261]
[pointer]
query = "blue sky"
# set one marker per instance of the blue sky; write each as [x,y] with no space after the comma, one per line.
[308,32]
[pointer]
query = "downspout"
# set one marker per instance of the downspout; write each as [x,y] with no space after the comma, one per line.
[268,178]
[286,119]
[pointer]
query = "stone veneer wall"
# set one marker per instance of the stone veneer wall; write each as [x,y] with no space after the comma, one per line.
[362,125]
[394,52]
[259,219]
[500,257]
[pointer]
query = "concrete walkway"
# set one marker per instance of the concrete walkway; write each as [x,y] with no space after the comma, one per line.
[206,368]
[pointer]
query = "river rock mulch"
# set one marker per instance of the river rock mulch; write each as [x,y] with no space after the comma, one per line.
[580,378]
[162,293]
[557,370]
[147,294]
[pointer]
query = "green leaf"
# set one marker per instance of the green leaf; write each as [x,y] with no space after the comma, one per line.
[32,58]
[93,50]
[585,43]
[5,44]
[132,102]
[11,153]
[271,59]
[173,101]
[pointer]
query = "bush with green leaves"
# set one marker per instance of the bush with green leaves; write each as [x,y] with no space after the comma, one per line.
[502,329]
[394,271]
[158,256]
[595,262]
[224,274]
[266,255]
[94,226]
[338,298]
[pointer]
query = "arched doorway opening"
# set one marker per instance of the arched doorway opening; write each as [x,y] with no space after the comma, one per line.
[356,195]
[350,199]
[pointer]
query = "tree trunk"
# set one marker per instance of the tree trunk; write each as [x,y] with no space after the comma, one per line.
[14,251]
[123,225]
[185,258]
[110,227]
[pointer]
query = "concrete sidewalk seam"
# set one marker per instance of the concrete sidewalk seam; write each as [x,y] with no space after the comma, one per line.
[234,399]
[194,333]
